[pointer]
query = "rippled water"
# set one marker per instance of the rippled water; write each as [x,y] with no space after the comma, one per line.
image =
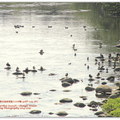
[22,49]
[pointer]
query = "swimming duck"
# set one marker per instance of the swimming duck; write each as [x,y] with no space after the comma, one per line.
[52,74]
[42,69]
[26,70]
[49,26]
[87,58]
[66,27]
[41,52]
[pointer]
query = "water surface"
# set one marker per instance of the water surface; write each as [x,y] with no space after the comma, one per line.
[22,49]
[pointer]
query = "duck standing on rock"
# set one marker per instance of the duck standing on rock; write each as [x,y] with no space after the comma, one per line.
[17,69]
[66,75]
[8,66]
[18,72]
[98,76]
[34,70]
[90,76]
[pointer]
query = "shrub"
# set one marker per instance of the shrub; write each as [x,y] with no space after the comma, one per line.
[112,107]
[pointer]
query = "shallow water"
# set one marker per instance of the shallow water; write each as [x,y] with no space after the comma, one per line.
[22,49]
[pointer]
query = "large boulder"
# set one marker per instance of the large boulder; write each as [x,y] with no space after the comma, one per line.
[69,80]
[103,89]
[66,100]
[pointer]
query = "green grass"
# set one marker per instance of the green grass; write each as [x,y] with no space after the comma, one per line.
[112,107]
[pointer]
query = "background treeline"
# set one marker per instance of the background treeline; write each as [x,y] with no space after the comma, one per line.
[112,9]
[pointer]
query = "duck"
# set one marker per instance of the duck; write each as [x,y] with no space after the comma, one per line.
[75,54]
[41,52]
[73,46]
[49,26]
[17,69]
[84,26]
[34,70]
[66,75]
[42,69]
[33,26]
[98,76]
[75,49]
[66,27]
[88,67]
[18,72]
[8,66]
[90,76]
[26,70]
[52,74]
[87,58]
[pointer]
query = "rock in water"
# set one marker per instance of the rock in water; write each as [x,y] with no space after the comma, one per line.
[66,84]
[81,105]
[111,78]
[62,113]
[103,89]
[35,112]
[99,113]
[66,100]
[89,88]
[118,45]
[93,104]
[69,80]
[26,93]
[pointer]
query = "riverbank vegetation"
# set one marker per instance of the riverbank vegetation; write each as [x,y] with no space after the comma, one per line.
[112,107]
[112,9]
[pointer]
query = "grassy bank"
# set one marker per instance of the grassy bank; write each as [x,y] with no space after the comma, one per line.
[112,107]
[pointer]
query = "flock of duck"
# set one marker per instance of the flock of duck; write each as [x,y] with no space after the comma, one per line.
[27,70]
[100,62]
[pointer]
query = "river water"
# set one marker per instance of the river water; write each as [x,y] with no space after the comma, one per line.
[22,49]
